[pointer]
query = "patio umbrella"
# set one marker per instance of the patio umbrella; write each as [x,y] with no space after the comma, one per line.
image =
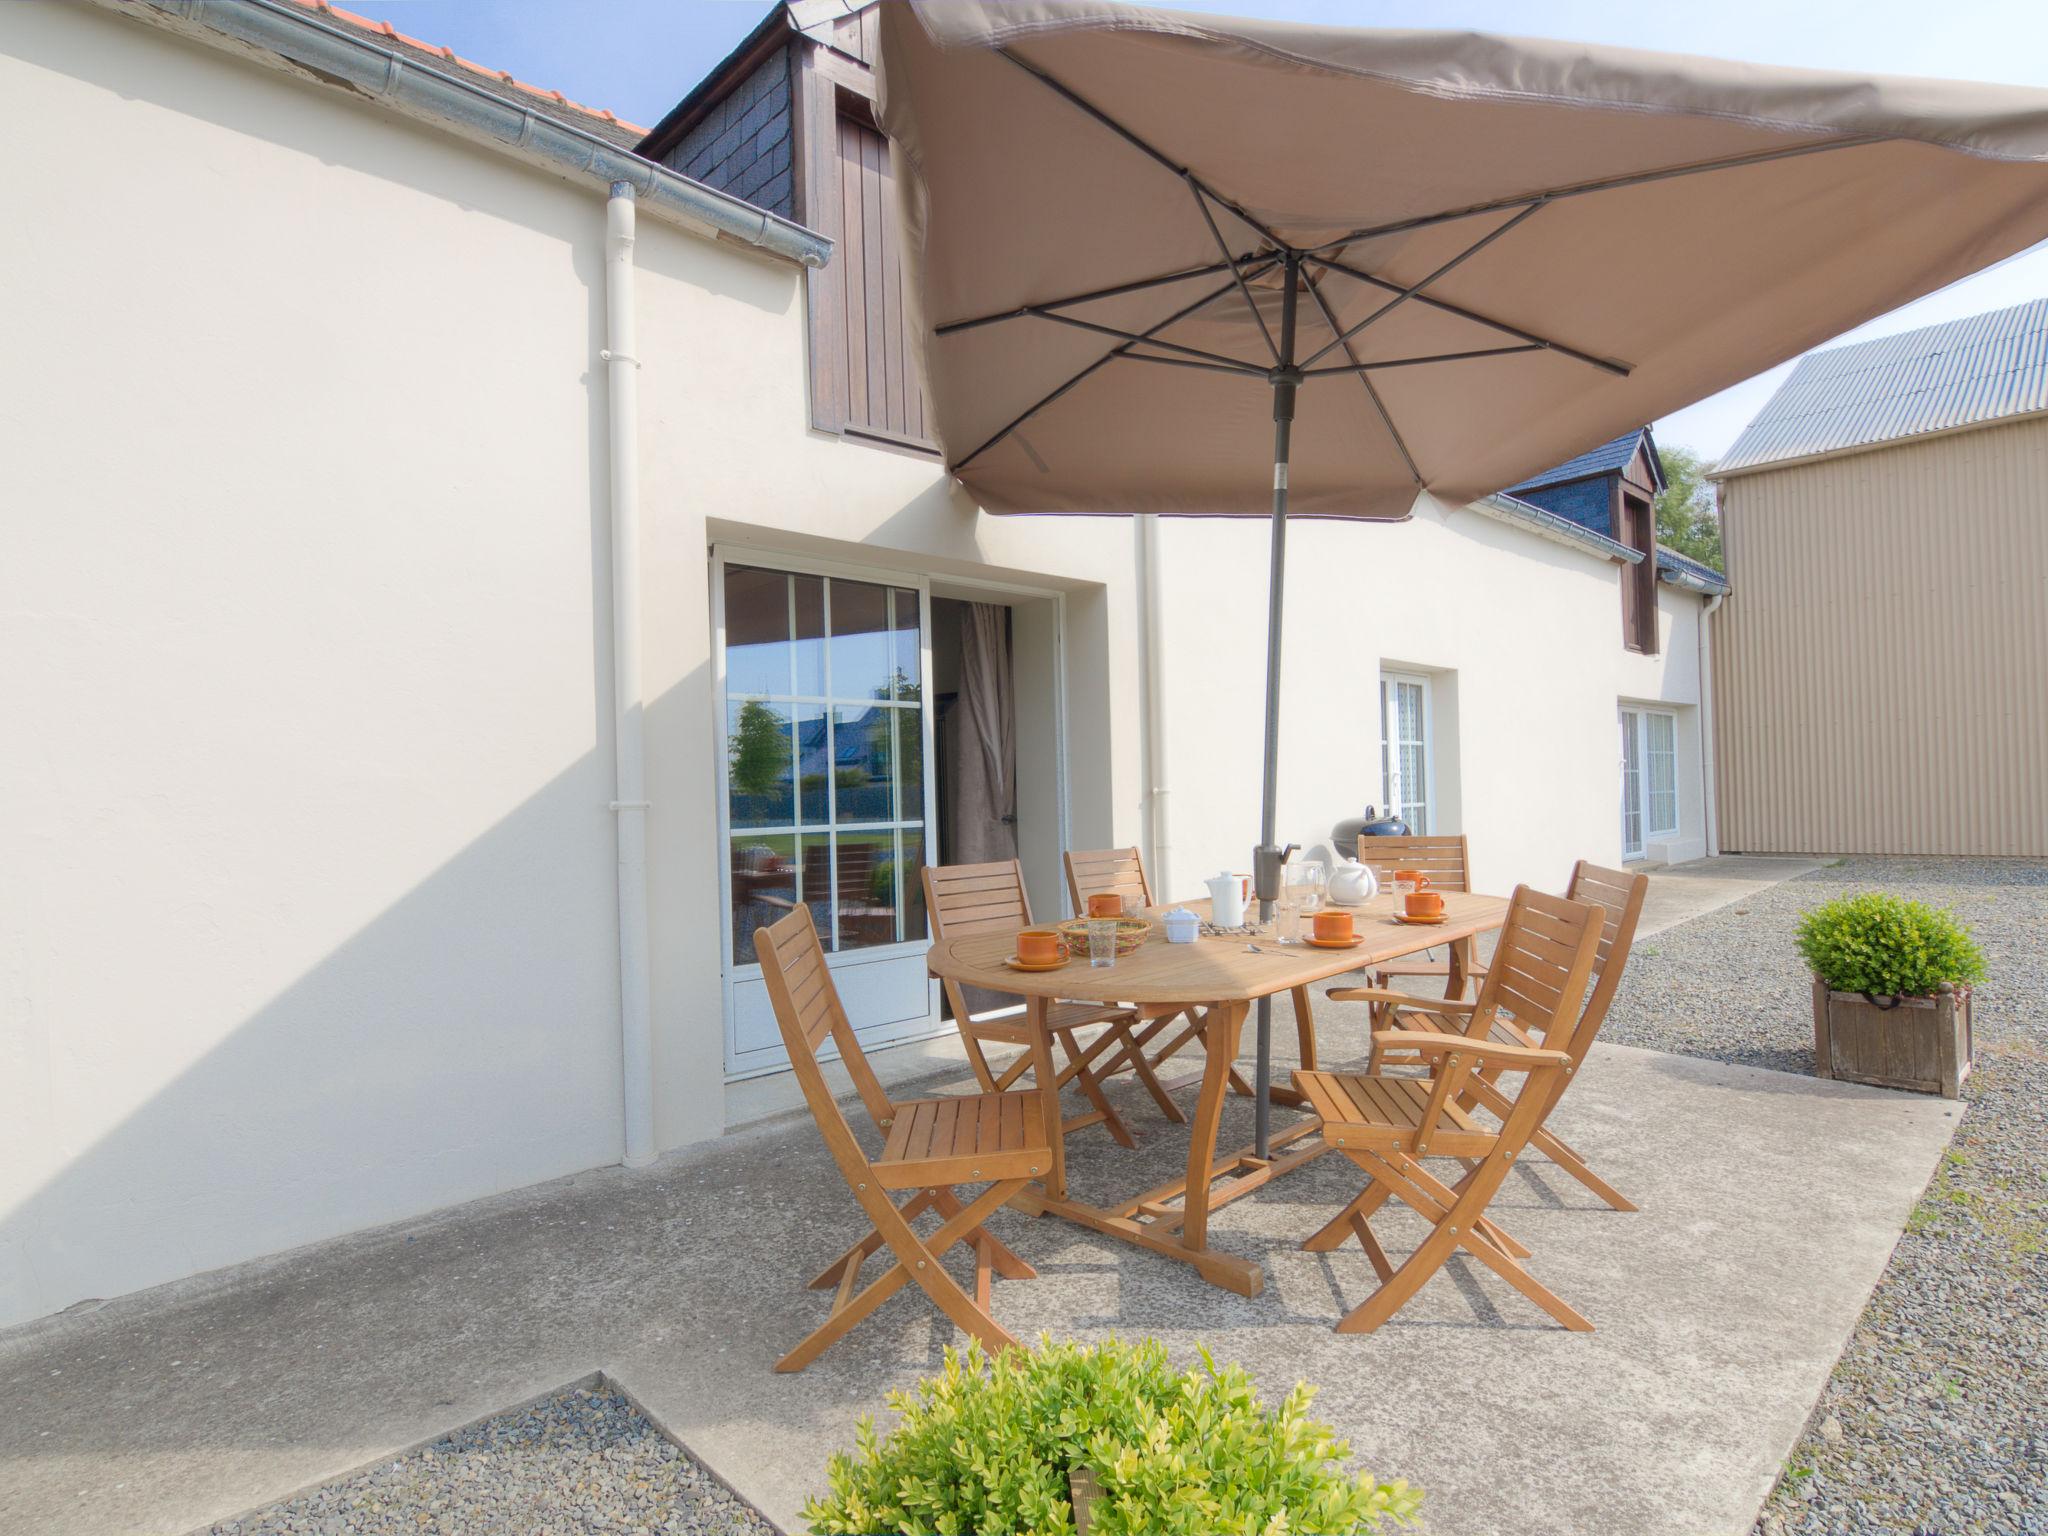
[1142,248]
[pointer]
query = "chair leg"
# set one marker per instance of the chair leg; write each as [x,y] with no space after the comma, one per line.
[1575,1165]
[1093,1089]
[858,1253]
[971,1043]
[1142,1070]
[1331,1234]
[1305,1029]
[1007,1264]
[916,1260]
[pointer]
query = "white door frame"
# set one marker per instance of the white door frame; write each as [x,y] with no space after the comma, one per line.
[1390,738]
[742,1064]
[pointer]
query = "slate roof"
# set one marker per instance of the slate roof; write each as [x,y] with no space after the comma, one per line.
[1965,373]
[1607,459]
[1684,571]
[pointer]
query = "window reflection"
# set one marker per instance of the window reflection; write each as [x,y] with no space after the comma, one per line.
[824,756]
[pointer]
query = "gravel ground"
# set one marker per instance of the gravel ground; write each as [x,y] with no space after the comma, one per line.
[1935,1422]
[575,1464]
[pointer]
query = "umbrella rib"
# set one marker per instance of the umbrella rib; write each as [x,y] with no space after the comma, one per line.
[1235,365]
[1605,184]
[1409,292]
[1372,394]
[1410,362]
[1082,103]
[1115,352]
[1202,204]
[1620,370]
[1117,290]
[1189,362]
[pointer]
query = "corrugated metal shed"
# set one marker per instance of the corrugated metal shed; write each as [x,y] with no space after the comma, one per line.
[1965,373]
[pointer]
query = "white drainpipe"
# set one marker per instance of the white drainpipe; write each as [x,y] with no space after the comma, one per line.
[622,366]
[1159,857]
[1707,779]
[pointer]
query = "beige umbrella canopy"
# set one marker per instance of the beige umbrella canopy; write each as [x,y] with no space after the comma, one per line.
[1173,263]
[1592,236]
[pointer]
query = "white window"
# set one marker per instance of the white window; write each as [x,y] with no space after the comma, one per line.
[1649,778]
[1407,758]
[826,779]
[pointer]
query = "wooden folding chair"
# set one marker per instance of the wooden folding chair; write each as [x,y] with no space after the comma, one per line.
[1447,861]
[1620,897]
[1122,870]
[931,1145]
[970,898]
[1388,1125]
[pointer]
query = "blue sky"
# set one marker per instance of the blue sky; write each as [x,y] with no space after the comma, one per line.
[638,57]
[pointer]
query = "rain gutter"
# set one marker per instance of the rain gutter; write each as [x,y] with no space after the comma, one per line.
[1503,508]
[282,37]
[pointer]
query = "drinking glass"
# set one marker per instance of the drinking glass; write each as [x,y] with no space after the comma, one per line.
[1102,940]
[1301,891]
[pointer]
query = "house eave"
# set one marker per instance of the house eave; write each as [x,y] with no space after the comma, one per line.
[281,37]
[1542,522]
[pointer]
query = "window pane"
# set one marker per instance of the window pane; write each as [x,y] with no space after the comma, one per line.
[756,631]
[760,765]
[814,765]
[862,754]
[1386,753]
[912,885]
[764,889]
[860,641]
[910,757]
[1661,760]
[809,650]
[866,888]
[906,664]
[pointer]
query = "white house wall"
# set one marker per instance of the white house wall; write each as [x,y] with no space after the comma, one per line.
[307,906]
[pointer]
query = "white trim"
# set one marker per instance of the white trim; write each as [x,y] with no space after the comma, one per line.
[761,1060]
[1390,744]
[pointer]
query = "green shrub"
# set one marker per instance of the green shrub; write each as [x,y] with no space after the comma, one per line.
[986,1446]
[1888,946]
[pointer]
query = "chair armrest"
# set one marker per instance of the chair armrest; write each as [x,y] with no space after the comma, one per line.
[1399,999]
[1429,1043]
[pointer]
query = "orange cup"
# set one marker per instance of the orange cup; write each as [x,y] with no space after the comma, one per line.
[1041,946]
[1411,877]
[1105,904]
[1425,904]
[1333,924]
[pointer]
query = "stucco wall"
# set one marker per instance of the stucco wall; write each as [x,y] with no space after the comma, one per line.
[307,917]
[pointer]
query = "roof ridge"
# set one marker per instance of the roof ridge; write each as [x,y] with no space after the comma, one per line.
[384,29]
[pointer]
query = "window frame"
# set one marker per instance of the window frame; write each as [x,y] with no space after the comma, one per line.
[1390,774]
[723,556]
[1634,725]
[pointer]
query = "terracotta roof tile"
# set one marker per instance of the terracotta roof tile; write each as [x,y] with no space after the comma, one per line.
[616,128]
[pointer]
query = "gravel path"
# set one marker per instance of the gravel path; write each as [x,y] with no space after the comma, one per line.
[1935,1422]
[575,1464]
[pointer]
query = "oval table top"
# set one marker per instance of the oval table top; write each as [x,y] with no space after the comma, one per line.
[1210,970]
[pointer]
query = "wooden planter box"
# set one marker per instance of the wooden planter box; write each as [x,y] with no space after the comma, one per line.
[1923,1044]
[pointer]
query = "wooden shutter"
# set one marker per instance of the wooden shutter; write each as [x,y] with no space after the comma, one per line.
[881,395]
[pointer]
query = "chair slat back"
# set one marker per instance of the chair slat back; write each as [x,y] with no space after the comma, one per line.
[1444,859]
[808,1012]
[1620,897]
[1540,965]
[975,898]
[1121,870]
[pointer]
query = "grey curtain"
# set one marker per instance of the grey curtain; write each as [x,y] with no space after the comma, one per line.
[982,778]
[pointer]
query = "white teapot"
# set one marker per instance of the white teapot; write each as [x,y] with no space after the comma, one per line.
[1352,884]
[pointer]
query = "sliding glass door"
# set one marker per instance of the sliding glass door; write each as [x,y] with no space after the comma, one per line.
[824,754]
[1649,778]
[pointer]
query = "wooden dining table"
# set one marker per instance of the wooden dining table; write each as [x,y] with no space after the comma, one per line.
[1216,978]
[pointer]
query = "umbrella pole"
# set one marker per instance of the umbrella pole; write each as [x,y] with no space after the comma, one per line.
[1269,856]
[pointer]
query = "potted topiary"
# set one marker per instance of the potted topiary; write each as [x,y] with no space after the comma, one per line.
[1891,992]
[1104,1440]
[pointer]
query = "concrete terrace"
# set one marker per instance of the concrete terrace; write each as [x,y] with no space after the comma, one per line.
[1770,1206]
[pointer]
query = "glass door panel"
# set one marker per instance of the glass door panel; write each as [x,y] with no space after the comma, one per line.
[1631,785]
